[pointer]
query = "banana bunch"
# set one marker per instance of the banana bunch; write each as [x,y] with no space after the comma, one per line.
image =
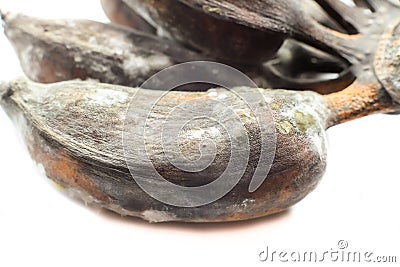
[98,112]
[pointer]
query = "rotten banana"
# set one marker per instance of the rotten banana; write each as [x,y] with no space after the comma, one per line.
[59,50]
[202,28]
[253,31]
[74,130]
[77,130]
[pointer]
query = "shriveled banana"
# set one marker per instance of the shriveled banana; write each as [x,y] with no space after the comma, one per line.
[59,50]
[75,130]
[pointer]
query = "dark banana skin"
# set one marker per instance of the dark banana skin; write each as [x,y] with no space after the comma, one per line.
[60,50]
[63,131]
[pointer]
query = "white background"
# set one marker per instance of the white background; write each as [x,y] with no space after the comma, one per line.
[356,201]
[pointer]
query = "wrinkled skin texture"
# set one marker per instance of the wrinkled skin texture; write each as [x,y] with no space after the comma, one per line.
[59,50]
[74,129]
[83,153]
[199,29]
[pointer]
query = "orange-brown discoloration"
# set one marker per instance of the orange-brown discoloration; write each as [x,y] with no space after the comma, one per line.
[188,97]
[358,100]
[65,171]
[52,71]
[242,217]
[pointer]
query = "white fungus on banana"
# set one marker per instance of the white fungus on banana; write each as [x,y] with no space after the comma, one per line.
[76,129]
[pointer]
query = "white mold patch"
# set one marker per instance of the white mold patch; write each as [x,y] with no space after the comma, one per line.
[30,58]
[247,202]
[156,216]
[106,97]
[142,65]
[41,169]
[212,132]
[212,93]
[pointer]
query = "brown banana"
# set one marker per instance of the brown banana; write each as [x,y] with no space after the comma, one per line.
[126,58]
[77,130]
[253,33]
[203,29]
[59,50]
[74,130]
[252,30]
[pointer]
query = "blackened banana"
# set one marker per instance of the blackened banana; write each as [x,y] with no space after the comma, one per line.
[75,130]
[58,50]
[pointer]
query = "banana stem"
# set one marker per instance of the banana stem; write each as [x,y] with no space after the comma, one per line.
[364,97]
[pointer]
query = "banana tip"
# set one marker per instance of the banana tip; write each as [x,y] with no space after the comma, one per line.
[4,90]
[3,16]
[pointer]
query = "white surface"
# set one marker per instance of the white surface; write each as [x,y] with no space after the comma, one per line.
[357,200]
